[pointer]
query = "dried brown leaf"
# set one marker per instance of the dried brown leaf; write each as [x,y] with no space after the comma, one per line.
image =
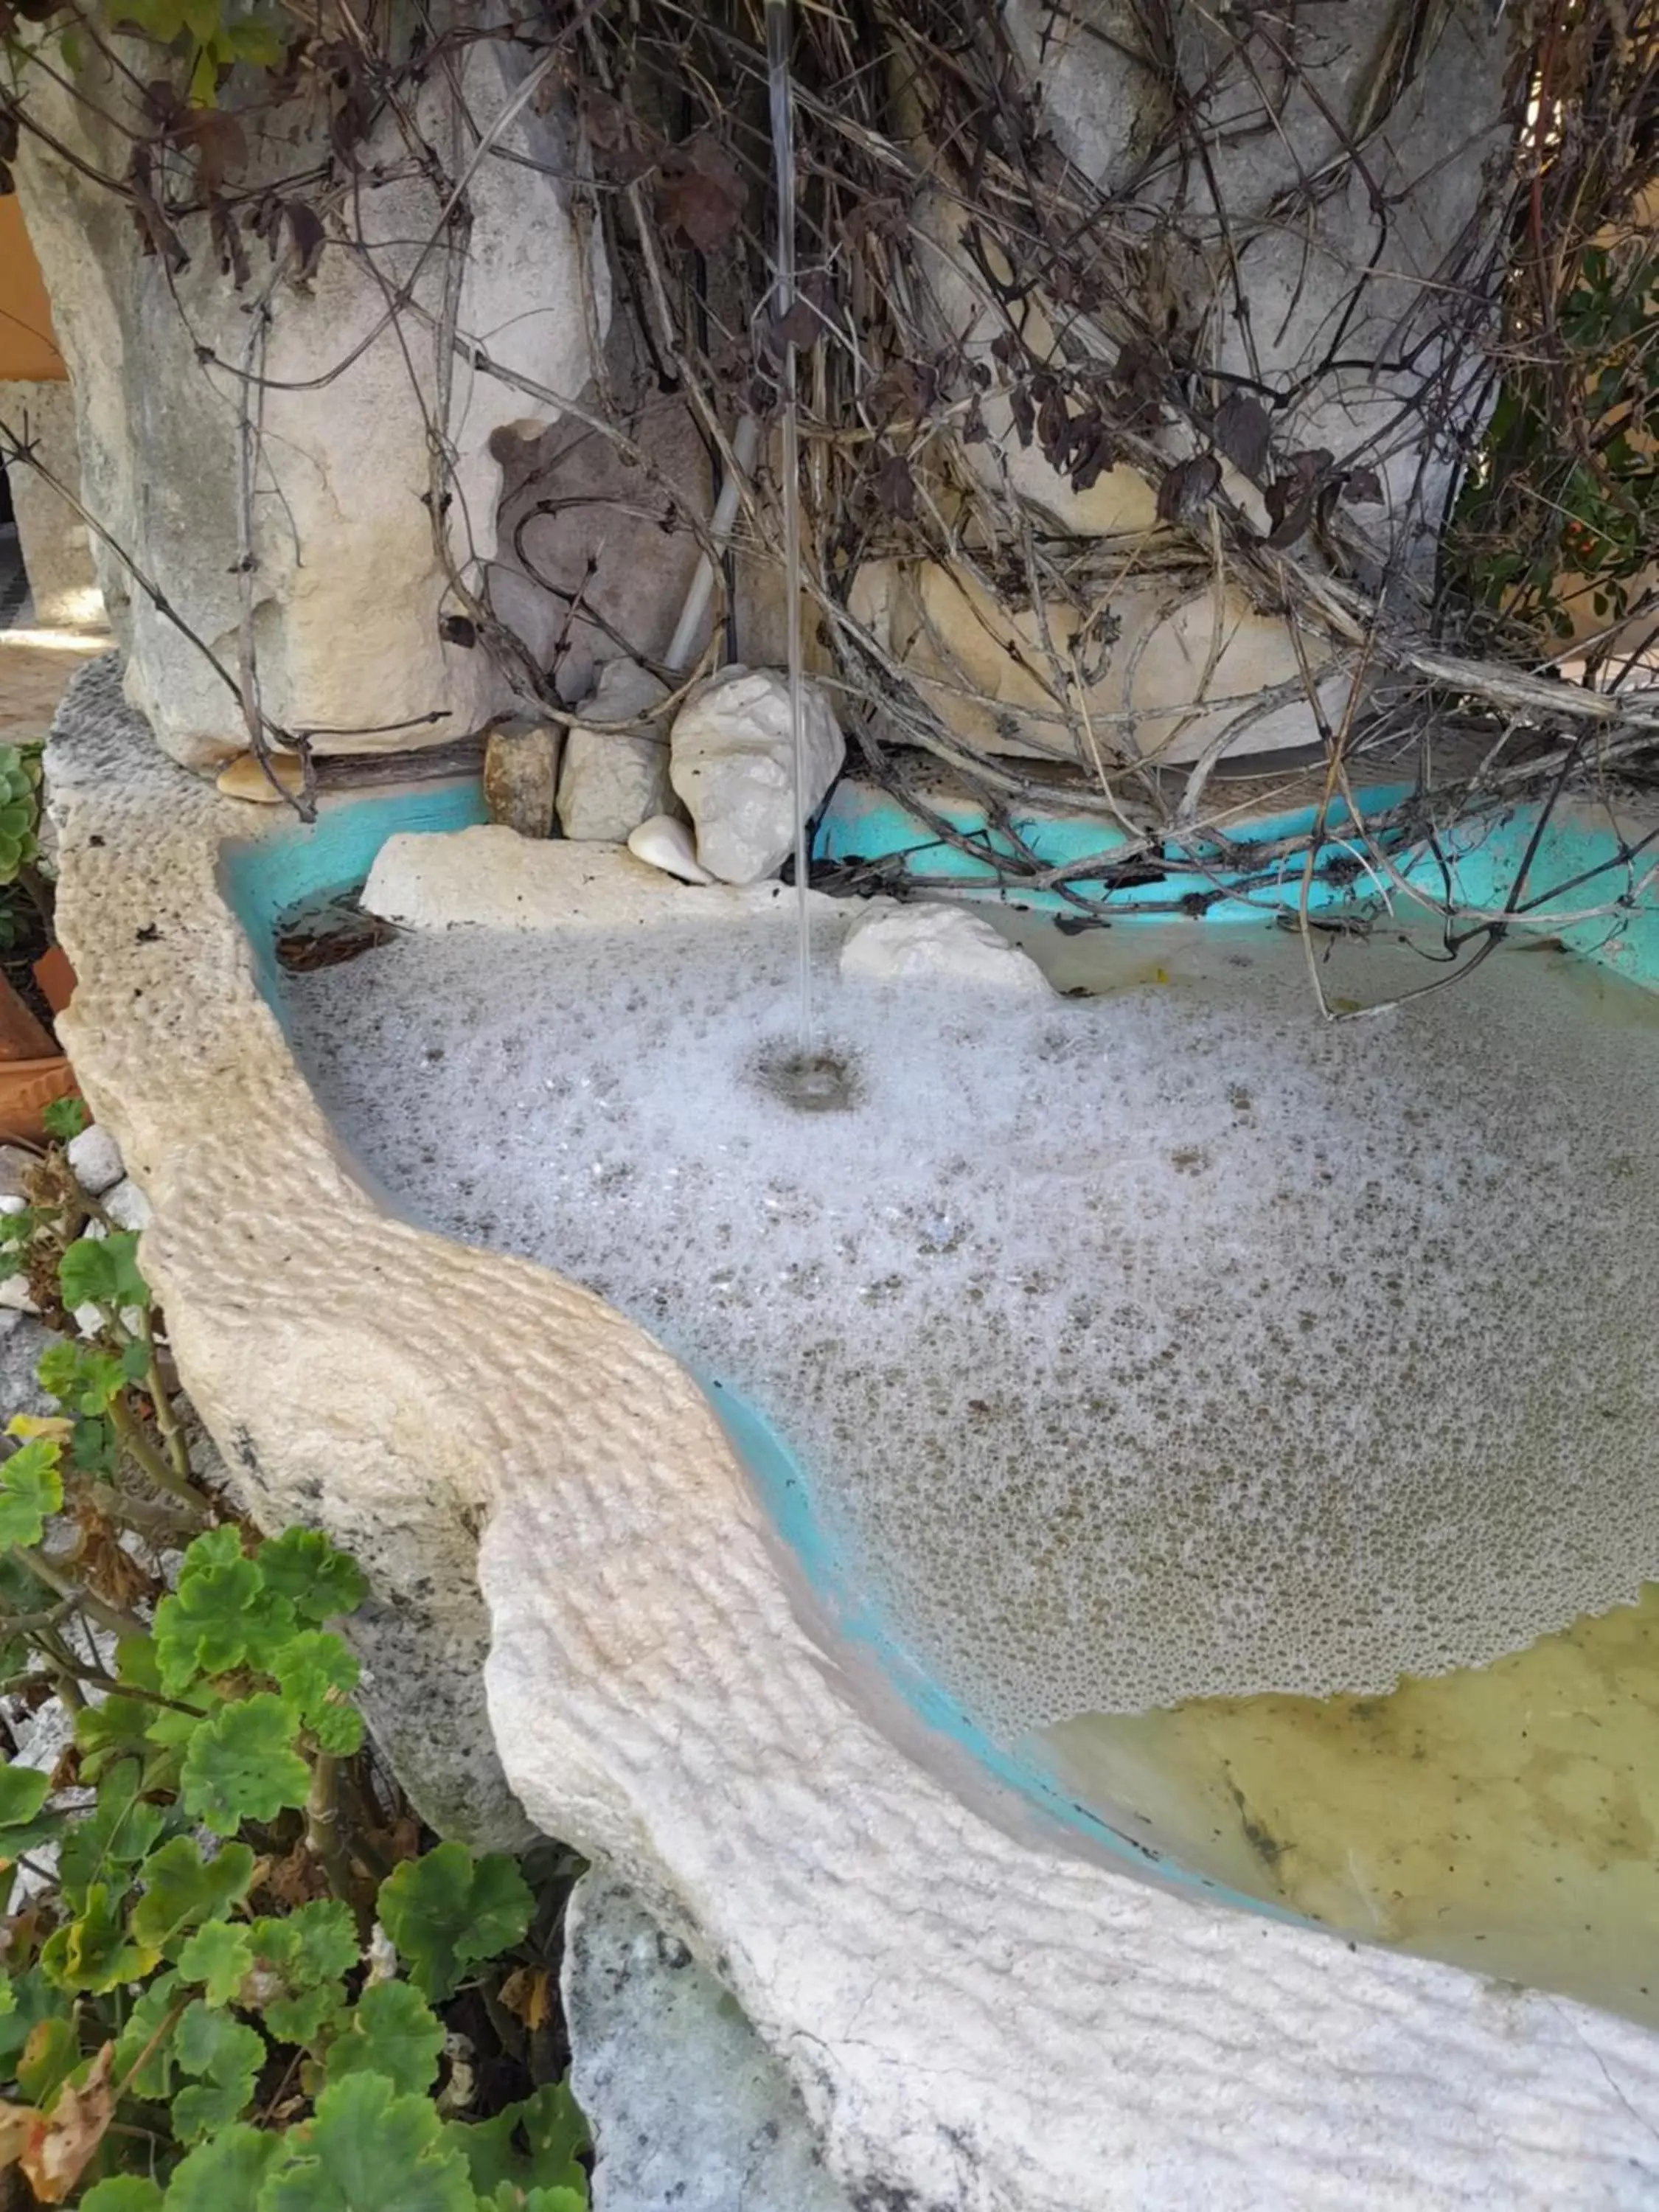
[1363,487]
[59,2146]
[1187,488]
[218,141]
[527,1993]
[701,193]
[306,238]
[17,2121]
[1244,430]
[896,488]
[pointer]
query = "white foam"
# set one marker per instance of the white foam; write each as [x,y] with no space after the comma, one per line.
[1148,1345]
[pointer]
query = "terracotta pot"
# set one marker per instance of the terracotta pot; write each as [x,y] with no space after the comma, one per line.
[27,1086]
[31,1073]
[56,977]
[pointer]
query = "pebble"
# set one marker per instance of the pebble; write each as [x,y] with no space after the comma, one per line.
[126,1206]
[612,779]
[663,842]
[95,1159]
[937,943]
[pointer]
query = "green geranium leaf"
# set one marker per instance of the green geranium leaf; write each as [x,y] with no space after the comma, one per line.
[227,2055]
[23,1791]
[82,1376]
[316,1673]
[311,1666]
[222,1615]
[229,2174]
[533,2145]
[103,1271]
[302,2018]
[93,1447]
[337,1730]
[33,2000]
[63,1119]
[447,1910]
[393,2032]
[113,1730]
[242,1765]
[317,1942]
[50,2057]
[371,2150]
[147,2037]
[123,2192]
[92,1953]
[317,1581]
[219,1955]
[173,1729]
[120,1830]
[203,2108]
[31,1491]
[509,2199]
[181,1890]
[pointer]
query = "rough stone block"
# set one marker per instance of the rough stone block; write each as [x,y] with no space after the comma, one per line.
[522,774]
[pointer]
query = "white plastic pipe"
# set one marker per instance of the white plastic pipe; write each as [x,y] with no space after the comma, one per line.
[745,444]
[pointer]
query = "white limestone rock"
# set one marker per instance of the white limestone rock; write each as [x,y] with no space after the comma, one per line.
[491,878]
[936,943]
[690,2112]
[665,842]
[126,1206]
[95,1159]
[731,760]
[349,588]
[614,779]
[15,1295]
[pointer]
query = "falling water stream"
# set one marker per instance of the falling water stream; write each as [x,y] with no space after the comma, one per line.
[778,26]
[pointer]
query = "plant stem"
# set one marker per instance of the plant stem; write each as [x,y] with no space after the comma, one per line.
[166,1419]
[129,1430]
[323,1838]
[107,1616]
[138,2066]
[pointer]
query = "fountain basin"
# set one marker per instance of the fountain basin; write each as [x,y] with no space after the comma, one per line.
[978,2013]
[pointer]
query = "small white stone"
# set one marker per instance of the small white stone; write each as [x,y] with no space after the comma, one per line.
[934,944]
[15,1295]
[95,1159]
[612,779]
[88,1319]
[731,760]
[663,842]
[126,1206]
[14,1206]
[132,1320]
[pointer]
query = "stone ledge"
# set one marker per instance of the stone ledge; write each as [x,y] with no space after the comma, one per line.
[975,2023]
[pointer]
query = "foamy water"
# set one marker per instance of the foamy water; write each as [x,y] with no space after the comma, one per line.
[1162,1344]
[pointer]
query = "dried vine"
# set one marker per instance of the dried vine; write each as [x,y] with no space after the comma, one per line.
[971,296]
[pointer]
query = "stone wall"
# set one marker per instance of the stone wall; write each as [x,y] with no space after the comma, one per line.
[262,451]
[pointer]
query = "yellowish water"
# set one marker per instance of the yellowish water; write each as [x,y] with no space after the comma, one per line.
[1502,1818]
